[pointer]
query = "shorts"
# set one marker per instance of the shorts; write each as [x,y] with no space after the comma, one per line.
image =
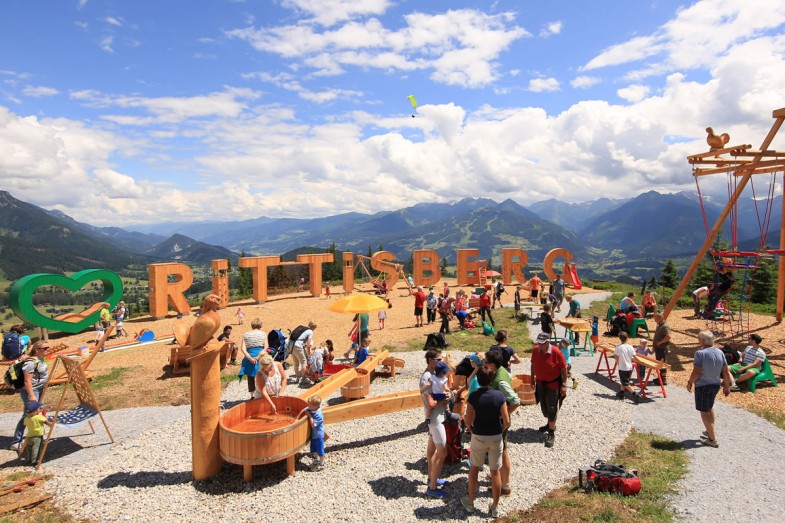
[490,446]
[705,396]
[734,369]
[535,293]
[661,352]
[418,311]
[439,396]
[438,434]
[624,377]
[317,446]
[298,355]
[549,401]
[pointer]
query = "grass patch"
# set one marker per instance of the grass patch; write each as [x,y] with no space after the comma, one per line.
[778,418]
[473,340]
[111,378]
[661,463]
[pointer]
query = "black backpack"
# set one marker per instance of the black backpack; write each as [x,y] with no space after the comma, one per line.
[294,336]
[464,368]
[500,288]
[732,356]
[435,340]
[12,346]
[618,325]
[14,377]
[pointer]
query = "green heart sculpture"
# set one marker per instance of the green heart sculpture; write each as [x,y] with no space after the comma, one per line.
[21,297]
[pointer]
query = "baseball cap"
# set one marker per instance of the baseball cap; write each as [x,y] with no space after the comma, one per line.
[441,369]
[542,337]
[564,341]
[32,406]
[477,359]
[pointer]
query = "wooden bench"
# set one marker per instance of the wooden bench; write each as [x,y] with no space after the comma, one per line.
[650,366]
[604,351]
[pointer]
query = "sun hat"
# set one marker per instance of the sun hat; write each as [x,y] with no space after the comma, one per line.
[542,337]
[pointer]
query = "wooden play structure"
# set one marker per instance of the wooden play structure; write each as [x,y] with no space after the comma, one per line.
[390,276]
[740,163]
[76,317]
[652,368]
[251,434]
[87,409]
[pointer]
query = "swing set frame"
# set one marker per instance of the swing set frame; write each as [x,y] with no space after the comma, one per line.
[743,162]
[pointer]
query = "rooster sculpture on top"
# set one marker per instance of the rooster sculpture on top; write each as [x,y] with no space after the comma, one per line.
[716,141]
[205,327]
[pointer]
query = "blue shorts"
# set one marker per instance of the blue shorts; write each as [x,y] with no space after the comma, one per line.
[317,446]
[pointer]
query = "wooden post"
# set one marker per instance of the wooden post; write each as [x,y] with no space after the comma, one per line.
[781,269]
[748,171]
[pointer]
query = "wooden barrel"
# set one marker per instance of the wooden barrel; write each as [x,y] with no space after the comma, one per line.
[251,435]
[522,384]
[359,387]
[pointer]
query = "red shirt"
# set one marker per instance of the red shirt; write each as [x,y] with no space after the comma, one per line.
[535,283]
[419,299]
[548,366]
[485,300]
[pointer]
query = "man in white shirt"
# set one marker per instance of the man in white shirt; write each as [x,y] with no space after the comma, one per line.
[697,295]
[624,355]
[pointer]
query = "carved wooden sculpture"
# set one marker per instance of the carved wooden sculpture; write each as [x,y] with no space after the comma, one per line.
[716,141]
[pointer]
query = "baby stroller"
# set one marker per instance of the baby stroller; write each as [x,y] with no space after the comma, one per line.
[276,347]
[456,452]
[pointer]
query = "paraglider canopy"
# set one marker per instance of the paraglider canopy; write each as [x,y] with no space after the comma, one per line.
[413,101]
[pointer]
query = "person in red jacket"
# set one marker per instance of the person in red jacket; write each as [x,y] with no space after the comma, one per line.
[485,305]
[549,374]
[419,304]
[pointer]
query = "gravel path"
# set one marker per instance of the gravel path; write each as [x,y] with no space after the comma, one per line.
[376,466]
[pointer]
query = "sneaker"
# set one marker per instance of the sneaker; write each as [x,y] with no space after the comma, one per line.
[735,388]
[468,507]
[636,398]
[709,442]
[435,493]
[549,438]
[705,433]
[493,511]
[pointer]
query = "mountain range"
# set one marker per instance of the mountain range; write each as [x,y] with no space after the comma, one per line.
[647,229]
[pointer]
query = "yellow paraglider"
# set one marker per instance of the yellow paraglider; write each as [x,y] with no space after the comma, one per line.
[413,101]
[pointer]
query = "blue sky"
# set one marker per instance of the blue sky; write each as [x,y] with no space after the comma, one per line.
[125,112]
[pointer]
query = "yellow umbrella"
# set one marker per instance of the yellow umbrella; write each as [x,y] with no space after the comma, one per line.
[358,303]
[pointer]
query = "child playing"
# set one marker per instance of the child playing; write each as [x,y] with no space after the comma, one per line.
[595,330]
[362,353]
[438,385]
[327,289]
[624,357]
[316,362]
[564,347]
[224,337]
[355,347]
[329,356]
[316,419]
[382,317]
[34,421]
[643,350]
[240,315]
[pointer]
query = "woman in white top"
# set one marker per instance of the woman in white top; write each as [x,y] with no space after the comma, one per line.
[270,380]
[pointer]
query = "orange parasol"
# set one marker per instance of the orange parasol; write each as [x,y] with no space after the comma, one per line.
[358,303]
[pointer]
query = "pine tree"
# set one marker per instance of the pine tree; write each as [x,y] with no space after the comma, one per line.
[764,289]
[244,281]
[670,276]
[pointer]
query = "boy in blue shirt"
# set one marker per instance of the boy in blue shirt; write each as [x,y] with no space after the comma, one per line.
[316,419]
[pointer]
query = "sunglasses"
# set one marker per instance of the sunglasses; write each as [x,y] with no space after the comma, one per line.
[436,359]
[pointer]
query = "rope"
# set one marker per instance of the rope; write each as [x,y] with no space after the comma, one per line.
[703,208]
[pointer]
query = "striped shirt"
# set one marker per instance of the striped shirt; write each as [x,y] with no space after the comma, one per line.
[751,354]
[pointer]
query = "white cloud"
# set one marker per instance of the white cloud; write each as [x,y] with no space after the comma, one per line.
[226,104]
[111,20]
[550,29]
[81,3]
[633,93]
[328,12]
[106,44]
[696,37]
[539,85]
[459,47]
[584,82]
[38,91]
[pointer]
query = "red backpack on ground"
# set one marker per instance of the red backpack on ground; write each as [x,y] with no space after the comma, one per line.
[604,477]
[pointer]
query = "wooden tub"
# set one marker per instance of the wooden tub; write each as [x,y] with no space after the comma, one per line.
[359,387]
[251,435]
[522,384]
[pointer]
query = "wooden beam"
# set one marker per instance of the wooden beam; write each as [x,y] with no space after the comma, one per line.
[717,152]
[778,113]
[367,407]
[747,174]
[758,168]
[769,153]
[781,266]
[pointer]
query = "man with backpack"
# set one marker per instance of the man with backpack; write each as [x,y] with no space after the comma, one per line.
[33,373]
[13,343]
